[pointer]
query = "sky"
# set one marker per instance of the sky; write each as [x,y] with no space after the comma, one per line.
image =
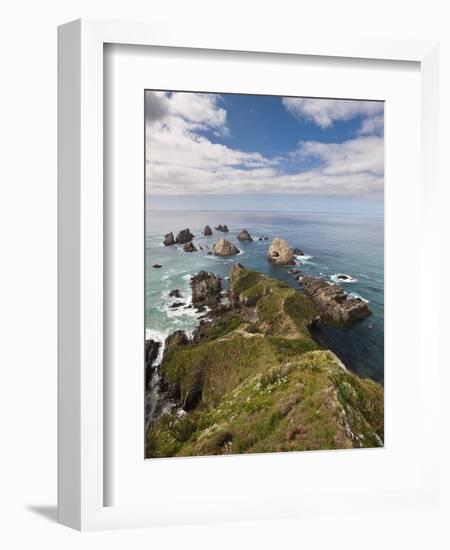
[248,152]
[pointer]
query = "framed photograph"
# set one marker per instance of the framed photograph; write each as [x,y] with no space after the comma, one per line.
[235,328]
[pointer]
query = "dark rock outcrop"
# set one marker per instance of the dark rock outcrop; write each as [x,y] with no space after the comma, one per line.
[176,305]
[280,253]
[184,236]
[168,239]
[222,228]
[151,353]
[201,332]
[189,247]
[175,340]
[333,303]
[207,231]
[244,235]
[206,289]
[175,293]
[225,248]
[157,266]
[298,252]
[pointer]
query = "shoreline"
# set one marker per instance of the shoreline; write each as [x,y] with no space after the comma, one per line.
[243,320]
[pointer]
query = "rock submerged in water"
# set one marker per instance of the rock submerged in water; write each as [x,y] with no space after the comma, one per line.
[189,247]
[168,239]
[280,253]
[184,236]
[332,302]
[156,266]
[206,289]
[225,248]
[244,235]
[298,252]
[175,293]
[222,228]
[207,232]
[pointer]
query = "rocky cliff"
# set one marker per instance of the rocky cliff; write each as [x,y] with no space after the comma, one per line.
[333,304]
[252,379]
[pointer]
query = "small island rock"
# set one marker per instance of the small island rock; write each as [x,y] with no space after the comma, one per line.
[184,236]
[168,239]
[244,235]
[280,253]
[222,228]
[225,248]
[298,252]
[157,266]
[189,247]
[207,231]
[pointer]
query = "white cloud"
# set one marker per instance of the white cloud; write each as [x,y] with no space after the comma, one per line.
[324,112]
[182,161]
[363,155]
[372,125]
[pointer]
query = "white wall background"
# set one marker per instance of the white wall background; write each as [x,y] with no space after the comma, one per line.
[28,269]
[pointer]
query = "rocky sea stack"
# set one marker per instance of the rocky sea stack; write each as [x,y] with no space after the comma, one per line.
[222,228]
[244,235]
[252,379]
[333,303]
[225,248]
[280,253]
[184,236]
[189,247]
[206,289]
[168,239]
[207,231]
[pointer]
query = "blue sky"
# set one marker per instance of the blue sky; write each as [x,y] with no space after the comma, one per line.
[238,152]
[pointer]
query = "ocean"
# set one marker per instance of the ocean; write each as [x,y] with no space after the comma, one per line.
[332,243]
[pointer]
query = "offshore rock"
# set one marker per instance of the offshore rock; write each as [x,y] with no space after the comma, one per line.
[222,228]
[244,235]
[225,248]
[189,247]
[168,239]
[207,231]
[184,236]
[280,253]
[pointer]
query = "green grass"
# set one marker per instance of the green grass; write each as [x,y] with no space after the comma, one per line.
[267,387]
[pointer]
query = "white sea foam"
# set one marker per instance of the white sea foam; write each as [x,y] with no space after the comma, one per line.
[348,279]
[304,258]
[353,295]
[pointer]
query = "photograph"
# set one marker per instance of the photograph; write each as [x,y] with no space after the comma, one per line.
[264,273]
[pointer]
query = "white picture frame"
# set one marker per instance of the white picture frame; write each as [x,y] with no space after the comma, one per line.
[81,404]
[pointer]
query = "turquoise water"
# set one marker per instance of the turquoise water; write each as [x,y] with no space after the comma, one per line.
[333,243]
